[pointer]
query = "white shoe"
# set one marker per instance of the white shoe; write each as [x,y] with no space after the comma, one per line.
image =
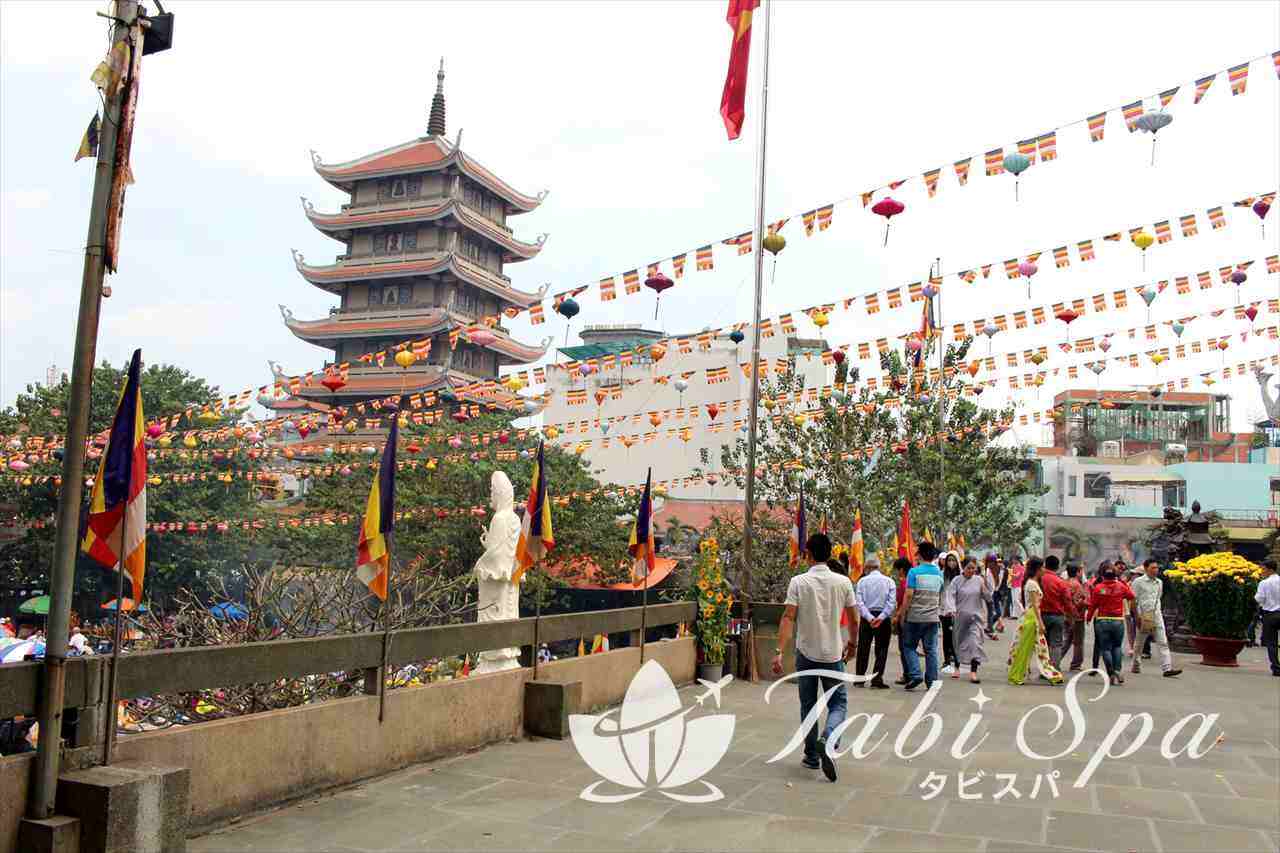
[948,669]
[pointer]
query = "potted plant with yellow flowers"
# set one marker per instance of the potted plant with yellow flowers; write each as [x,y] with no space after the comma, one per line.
[1216,593]
[715,600]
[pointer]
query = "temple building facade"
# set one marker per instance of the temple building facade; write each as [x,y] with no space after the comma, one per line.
[425,243]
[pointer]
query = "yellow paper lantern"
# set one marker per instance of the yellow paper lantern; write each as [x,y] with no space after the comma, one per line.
[819,318]
[1156,358]
[774,243]
[190,440]
[1142,240]
[551,433]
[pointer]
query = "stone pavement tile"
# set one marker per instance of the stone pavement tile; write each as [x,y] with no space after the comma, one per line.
[1202,837]
[688,827]
[866,778]
[1185,779]
[821,799]
[1106,773]
[899,841]
[908,812]
[1229,762]
[621,818]
[1250,785]
[1267,765]
[513,800]
[794,833]
[995,846]
[486,833]
[1136,802]
[1085,831]
[1239,811]
[585,842]
[1004,820]
[500,763]
[421,786]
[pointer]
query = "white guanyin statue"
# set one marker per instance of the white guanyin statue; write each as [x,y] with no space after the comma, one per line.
[499,597]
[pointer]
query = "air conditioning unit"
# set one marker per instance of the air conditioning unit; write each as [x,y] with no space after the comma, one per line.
[1110,450]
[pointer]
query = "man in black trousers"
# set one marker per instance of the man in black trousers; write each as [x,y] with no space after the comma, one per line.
[877,598]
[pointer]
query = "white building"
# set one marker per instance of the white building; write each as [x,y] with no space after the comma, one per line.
[625,413]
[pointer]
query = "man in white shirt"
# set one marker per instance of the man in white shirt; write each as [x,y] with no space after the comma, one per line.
[1148,591]
[1268,598]
[877,597]
[815,603]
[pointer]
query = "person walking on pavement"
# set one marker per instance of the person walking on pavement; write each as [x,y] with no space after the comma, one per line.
[1106,610]
[877,597]
[1053,608]
[815,601]
[918,618]
[1077,604]
[1268,598]
[1147,591]
[972,594]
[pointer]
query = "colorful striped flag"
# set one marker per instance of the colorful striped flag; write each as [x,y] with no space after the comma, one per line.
[931,181]
[742,241]
[703,258]
[798,533]
[857,548]
[995,161]
[962,170]
[1238,77]
[608,291]
[809,219]
[1132,112]
[677,264]
[116,534]
[89,142]
[631,281]
[1097,127]
[536,535]
[1188,224]
[1275,60]
[1060,257]
[824,217]
[373,557]
[1202,86]
[1048,146]
[641,547]
[1027,148]
[1167,95]
[1217,218]
[1163,235]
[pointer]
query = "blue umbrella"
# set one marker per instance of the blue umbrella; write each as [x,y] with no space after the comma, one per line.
[228,610]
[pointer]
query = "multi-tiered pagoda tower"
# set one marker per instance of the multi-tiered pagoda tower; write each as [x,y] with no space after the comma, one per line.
[425,241]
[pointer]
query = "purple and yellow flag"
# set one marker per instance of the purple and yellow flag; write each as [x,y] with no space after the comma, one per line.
[373,557]
[1202,86]
[116,535]
[536,536]
[641,546]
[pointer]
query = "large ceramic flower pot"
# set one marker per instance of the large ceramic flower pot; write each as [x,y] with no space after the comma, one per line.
[710,671]
[1218,651]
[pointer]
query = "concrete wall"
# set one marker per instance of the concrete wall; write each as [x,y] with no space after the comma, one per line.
[249,763]
[1227,486]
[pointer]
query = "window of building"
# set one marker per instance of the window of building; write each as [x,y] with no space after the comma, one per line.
[1071,486]
[414,186]
[410,239]
[1275,492]
[473,250]
[380,243]
[399,188]
[395,243]
[1096,484]
[1175,494]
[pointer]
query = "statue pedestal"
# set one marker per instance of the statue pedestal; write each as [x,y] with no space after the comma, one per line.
[498,660]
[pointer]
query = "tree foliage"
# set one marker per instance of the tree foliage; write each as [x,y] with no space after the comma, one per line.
[915,438]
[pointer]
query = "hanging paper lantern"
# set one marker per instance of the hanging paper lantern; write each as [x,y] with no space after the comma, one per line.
[1178,328]
[838,356]
[586,369]
[1209,380]
[1104,344]
[1261,207]
[656,352]
[1143,241]
[1037,358]
[627,441]
[769,403]
[482,337]
[155,431]
[655,419]
[1222,344]
[888,208]
[990,330]
[333,381]
[405,358]
[736,336]
[1157,359]
[345,471]
[190,440]
[1015,163]
[601,395]
[713,478]
[349,426]
[413,447]
[369,450]
[455,441]
[18,465]
[1107,404]
[973,368]
[1156,391]
[1097,367]
[774,243]
[798,419]
[288,453]
[681,385]
[1239,277]
[1251,312]
[686,434]
[1039,380]
[929,290]
[1151,123]
[328,452]
[914,343]
[551,433]
[568,308]
[303,430]
[819,318]
[712,410]
[604,427]
[1027,269]
[658,282]
[459,416]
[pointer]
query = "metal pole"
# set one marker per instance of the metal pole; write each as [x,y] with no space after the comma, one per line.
[644,611]
[537,623]
[62,575]
[754,399]
[109,735]
[942,403]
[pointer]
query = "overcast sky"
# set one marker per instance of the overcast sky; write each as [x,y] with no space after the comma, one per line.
[613,107]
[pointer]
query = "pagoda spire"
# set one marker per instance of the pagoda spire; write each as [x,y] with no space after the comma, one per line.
[435,122]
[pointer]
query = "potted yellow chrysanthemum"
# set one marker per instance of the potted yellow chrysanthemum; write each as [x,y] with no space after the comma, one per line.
[715,601]
[1216,593]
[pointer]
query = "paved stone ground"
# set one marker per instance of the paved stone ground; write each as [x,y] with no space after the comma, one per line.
[524,795]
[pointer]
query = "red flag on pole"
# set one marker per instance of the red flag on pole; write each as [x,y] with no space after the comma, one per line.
[906,543]
[732,102]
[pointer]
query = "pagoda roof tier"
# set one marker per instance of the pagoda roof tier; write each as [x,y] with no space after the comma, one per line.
[340,225]
[377,383]
[327,332]
[331,277]
[425,154]
[293,404]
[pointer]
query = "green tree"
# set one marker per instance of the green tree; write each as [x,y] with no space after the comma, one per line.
[917,438]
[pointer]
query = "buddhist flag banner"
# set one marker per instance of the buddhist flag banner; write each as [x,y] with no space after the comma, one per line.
[857,548]
[1132,112]
[1163,234]
[1048,146]
[931,181]
[1188,224]
[1217,218]
[1060,257]
[608,291]
[631,281]
[1202,86]
[1275,60]
[742,241]
[962,170]
[677,264]
[704,259]
[1167,95]
[536,536]
[89,142]
[798,533]
[809,219]
[641,546]
[994,161]
[824,217]
[116,534]
[1238,77]
[1097,127]
[733,100]
[373,557]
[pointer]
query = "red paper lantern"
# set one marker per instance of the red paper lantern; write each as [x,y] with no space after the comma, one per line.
[888,208]
[333,382]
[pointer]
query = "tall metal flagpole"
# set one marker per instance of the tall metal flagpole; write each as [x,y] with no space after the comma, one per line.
[757,249]
[113,686]
[941,402]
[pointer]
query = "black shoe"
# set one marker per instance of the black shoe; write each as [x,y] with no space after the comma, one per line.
[880,685]
[913,684]
[1173,673]
[828,766]
[1146,655]
[1093,673]
[811,763]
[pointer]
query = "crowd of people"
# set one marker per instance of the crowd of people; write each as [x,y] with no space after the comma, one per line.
[946,608]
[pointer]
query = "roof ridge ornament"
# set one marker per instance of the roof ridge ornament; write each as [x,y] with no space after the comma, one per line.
[542,238]
[298,258]
[315,158]
[306,205]
[436,118]
[543,290]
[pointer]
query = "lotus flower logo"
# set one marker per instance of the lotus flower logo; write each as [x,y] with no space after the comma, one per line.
[647,744]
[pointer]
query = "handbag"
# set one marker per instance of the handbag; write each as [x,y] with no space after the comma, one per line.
[1147,621]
